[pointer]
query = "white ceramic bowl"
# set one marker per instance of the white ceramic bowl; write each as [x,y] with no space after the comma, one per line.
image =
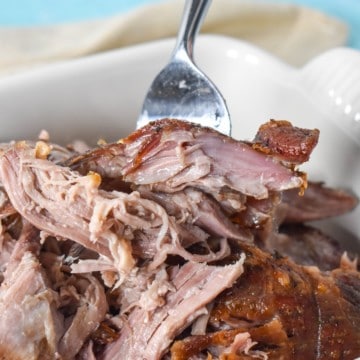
[101,96]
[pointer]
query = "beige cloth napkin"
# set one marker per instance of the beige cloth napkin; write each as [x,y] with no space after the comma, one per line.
[293,33]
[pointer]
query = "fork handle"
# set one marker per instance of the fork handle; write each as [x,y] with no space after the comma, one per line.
[193,16]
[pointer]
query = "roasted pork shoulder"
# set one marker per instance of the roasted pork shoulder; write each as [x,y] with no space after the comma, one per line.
[177,242]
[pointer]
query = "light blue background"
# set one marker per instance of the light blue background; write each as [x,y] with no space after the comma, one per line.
[44,12]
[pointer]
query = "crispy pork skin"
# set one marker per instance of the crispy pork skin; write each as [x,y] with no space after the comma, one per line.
[286,142]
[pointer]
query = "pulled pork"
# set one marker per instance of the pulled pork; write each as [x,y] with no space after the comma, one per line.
[177,243]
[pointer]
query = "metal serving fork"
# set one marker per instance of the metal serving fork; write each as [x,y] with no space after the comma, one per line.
[181,91]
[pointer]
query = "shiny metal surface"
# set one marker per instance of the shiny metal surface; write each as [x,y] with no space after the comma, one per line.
[181,90]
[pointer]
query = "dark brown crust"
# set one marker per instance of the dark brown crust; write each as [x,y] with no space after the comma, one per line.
[288,143]
[292,312]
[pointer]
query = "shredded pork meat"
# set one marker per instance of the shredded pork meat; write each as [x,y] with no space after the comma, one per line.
[177,242]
